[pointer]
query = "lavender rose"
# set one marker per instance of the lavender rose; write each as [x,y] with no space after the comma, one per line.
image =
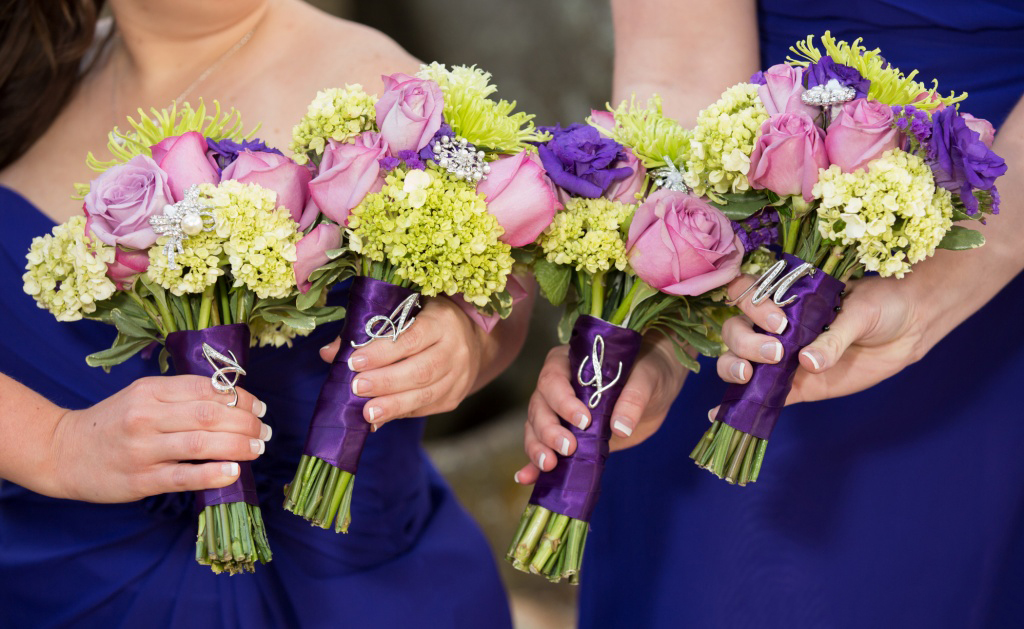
[681,245]
[581,161]
[348,172]
[861,131]
[783,86]
[121,200]
[520,196]
[184,159]
[278,173]
[409,112]
[787,156]
[960,160]
[311,252]
[825,69]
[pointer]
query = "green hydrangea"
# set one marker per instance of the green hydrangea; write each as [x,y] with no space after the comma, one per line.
[650,134]
[487,124]
[587,235]
[67,271]
[893,212]
[279,334]
[338,114]
[436,233]
[723,140]
[757,262]
[197,268]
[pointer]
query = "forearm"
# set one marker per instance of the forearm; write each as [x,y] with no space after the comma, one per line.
[502,345]
[687,51]
[28,423]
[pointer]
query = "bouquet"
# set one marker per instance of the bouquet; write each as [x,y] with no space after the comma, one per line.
[631,253]
[845,165]
[421,192]
[188,239]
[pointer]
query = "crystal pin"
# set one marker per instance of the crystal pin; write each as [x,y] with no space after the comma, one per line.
[185,218]
[461,158]
[831,93]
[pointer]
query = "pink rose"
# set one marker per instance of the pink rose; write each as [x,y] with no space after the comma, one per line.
[929,96]
[121,200]
[681,245]
[787,155]
[603,120]
[520,196]
[127,266]
[311,252]
[409,112]
[861,132]
[278,173]
[348,172]
[517,288]
[781,92]
[982,126]
[184,159]
[624,190]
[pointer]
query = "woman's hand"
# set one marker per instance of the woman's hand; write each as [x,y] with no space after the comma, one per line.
[646,397]
[430,369]
[134,443]
[876,335]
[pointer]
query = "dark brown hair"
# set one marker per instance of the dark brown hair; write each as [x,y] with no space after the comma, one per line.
[42,46]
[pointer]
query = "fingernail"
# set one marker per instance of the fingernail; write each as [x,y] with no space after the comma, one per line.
[257,446]
[356,362]
[229,469]
[815,357]
[325,347]
[772,351]
[581,420]
[565,447]
[361,386]
[374,412]
[739,371]
[515,477]
[540,460]
[259,408]
[373,427]
[266,432]
[712,414]
[776,322]
[622,426]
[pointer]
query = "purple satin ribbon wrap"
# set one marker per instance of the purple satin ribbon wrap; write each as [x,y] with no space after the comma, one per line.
[754,407]
[573,487]
[338,431]
[186,349]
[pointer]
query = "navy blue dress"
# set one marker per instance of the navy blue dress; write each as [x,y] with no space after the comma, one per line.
[902,506]
[413,557]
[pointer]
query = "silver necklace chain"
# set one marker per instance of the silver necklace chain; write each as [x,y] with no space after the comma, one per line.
[215,65]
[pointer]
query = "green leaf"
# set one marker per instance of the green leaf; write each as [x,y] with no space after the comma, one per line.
[131,326]
[120,352]
[960,239]
[685,359]
[163,359]
[565,324]
[553,280]
[739,206]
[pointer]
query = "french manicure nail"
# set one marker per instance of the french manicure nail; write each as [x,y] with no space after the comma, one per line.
[356,362]
[738,370]
[815,357]
[515,477]
[374,412]
[776,322]
[540,460]
[772,351]
[565,447]
[581,420]
[259,408]
[360,386]
[266,432]
[712,414]
[373,427]
[622,427]
[229,469]
[325,347]
[257,446]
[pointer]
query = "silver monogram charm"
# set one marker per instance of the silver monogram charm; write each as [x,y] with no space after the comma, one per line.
[381,327]
[229,365]
[597,361]
[185,218]
[770,282]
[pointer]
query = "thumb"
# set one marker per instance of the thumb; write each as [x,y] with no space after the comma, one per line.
[826,350]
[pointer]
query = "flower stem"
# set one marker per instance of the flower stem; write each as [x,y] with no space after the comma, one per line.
[165,314]
[597,296]
[148,308]
[626,306]
[835,256]
[792,234]
[225,304]
[205,306]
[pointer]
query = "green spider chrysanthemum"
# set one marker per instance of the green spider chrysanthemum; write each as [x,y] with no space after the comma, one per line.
[650,134]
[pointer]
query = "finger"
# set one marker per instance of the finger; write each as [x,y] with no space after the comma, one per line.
[189,477]
[527,475]
[329,351]
[766,314]
[826,350]
[209,416]
[732,368]
[632,402]
[190,388]
[540,455]
[738,334]
[416,372]
[548,428]
[412,403]
[554,387]
[201,445]
[424,332]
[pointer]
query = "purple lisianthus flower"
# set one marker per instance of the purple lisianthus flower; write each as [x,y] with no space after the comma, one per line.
[960,160]
[758,230]
[582,161]
[226,151]
[757,78]
[825,69]
[427,152]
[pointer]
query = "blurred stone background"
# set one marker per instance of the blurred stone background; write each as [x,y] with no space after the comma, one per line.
[555,59]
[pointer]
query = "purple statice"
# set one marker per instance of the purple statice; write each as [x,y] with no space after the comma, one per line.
[914,123]
[224,152]
[758,230]
[825,69]
[581,161]
[411,159]
[427,152]
[961,162]
[387,164]
[757,78]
